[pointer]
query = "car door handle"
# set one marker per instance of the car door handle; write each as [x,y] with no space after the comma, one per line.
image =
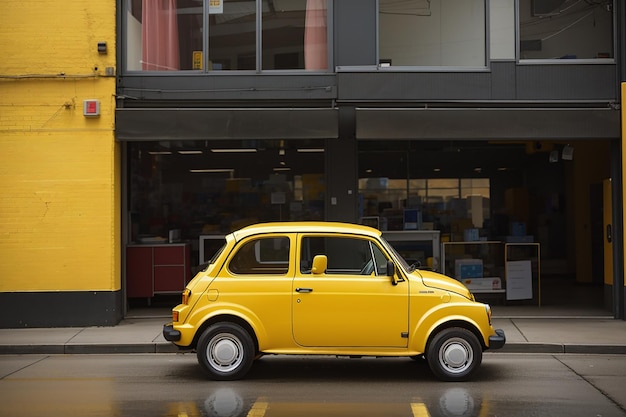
[304,289]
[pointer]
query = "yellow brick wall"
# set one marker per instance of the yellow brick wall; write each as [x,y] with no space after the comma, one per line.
[59,171]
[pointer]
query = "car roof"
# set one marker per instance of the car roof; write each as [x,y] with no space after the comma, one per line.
[305,227]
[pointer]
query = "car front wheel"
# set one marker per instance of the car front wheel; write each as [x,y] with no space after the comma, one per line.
[225,351]
[454,354]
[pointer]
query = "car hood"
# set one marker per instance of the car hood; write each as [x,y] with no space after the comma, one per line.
[443,282]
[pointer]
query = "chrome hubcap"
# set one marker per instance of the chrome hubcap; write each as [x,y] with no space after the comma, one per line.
[225,352]
[456,355]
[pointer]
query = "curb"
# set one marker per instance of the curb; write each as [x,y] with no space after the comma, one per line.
[558,348]
[166,347]
[76,349]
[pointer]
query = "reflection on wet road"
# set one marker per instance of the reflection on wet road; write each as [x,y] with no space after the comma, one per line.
[173,385]
[225,402]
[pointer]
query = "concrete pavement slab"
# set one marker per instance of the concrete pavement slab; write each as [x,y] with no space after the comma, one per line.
[573,331]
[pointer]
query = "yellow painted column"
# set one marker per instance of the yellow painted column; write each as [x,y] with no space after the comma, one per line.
[59,168]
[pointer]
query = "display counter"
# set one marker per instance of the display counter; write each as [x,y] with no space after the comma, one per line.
[511,270]
[157,269]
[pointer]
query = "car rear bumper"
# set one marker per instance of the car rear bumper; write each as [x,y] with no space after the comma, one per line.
[170,334]
[498,340]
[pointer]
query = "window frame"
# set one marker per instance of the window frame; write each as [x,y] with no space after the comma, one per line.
[262,268]
[434,68]
[123,55]
[552,61]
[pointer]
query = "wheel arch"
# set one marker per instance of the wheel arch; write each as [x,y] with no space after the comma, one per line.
[452,324]
[226,318]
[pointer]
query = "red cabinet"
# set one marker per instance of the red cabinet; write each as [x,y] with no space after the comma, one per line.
[157,269]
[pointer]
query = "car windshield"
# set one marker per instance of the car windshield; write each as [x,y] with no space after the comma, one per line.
[399,257]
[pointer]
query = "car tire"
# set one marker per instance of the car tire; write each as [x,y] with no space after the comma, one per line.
[454,354]
[225,351]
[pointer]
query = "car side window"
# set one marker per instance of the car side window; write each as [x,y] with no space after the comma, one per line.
[263,256]
[345,255]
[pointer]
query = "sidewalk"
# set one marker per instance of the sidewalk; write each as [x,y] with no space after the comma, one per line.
[528,330]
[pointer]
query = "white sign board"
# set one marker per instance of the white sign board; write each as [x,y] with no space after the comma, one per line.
[216,6]
[519,280]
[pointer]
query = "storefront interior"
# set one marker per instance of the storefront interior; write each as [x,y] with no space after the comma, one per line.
[489,191]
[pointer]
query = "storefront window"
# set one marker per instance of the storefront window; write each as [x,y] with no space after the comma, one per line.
[447,204]
[432,33]
[565,29]
[431,185]
[212,188]
[170,35]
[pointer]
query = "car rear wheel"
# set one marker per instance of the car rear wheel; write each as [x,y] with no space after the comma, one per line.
[454,354]
[226,351]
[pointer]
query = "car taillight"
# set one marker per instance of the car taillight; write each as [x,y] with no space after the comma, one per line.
[186,295]
[175,316]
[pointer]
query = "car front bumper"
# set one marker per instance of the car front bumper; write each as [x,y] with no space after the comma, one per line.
[170,334]
[498,340]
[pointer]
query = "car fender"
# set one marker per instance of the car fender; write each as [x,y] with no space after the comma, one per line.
[465,315]
[203,317]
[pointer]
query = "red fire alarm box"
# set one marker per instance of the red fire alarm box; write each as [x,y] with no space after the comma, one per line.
[91,108]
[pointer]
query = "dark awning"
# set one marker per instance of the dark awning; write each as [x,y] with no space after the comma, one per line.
[487,124]
[137,124]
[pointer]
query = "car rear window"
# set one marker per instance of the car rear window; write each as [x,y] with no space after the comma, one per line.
[265,256]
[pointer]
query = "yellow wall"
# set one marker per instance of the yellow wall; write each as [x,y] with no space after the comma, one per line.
[59,171]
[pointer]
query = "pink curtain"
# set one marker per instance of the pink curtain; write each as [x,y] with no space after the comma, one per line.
[315,43]
[159,33]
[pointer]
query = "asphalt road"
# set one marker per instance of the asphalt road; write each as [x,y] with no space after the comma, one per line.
[173,385]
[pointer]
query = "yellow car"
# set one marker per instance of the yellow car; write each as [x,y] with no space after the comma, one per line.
[322,288]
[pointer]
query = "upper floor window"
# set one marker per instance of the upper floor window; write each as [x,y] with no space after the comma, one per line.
[565,29]
[220,35]
[432,33]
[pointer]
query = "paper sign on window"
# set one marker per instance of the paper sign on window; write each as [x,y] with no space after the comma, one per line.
[519,280]
[216,6]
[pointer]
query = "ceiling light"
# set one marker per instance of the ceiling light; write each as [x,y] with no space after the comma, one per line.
[437,169]
[568,153]
[310,150]
[282,169]
[190,152]
[212,170]
[159,152]
[234,150]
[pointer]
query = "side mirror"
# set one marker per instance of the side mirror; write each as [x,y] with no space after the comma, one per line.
[320,263]
[391,272]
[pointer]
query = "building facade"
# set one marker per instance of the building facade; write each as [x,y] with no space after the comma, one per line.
[60,204]
[479,126]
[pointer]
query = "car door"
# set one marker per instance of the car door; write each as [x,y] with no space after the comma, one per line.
[256,284]
[351,304]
